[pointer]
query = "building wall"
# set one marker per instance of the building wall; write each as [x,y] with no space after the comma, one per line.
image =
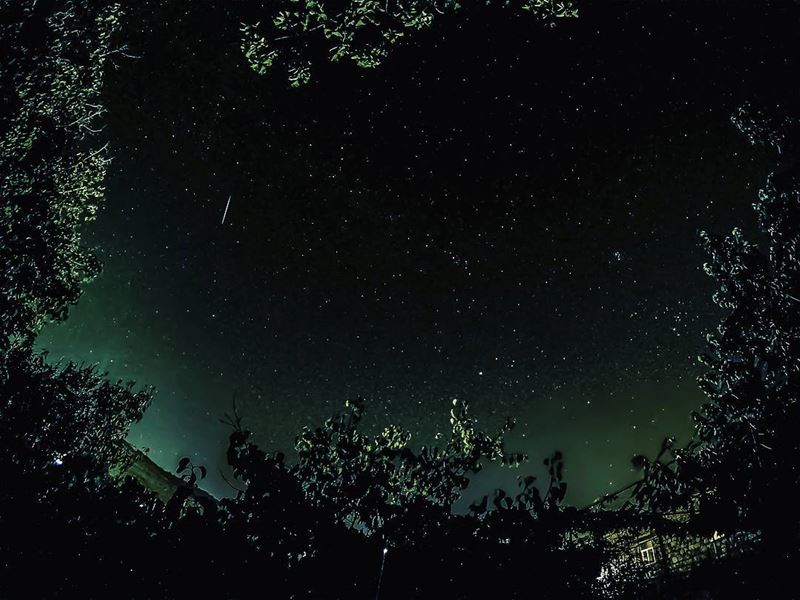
[137,464]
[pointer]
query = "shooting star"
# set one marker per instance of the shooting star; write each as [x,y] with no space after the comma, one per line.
[225,214]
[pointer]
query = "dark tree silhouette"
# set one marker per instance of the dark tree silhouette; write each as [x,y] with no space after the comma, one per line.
[379,485]
[353,499]
[742,468]
[60,425]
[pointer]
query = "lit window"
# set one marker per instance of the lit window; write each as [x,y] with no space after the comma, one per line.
[648,551]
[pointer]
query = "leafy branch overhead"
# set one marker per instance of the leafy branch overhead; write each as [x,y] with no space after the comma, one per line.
[296,32]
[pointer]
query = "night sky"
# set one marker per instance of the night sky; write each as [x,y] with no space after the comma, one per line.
[502,213]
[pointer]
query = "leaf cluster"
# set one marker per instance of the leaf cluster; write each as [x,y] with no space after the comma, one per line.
[294,33]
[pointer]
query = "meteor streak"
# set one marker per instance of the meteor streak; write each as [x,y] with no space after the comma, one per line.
[225,214]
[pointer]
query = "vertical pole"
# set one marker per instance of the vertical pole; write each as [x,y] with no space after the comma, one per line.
[380,574]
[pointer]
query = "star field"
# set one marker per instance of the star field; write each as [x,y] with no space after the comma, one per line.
[501,213]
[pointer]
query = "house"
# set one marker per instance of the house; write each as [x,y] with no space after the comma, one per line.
[664,550]
[136,464]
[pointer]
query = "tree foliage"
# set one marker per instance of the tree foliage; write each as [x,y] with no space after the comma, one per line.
[377,483]
[50,81]
[355,494]
[293,33]
[743,463]
[65,410]
[60,425]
